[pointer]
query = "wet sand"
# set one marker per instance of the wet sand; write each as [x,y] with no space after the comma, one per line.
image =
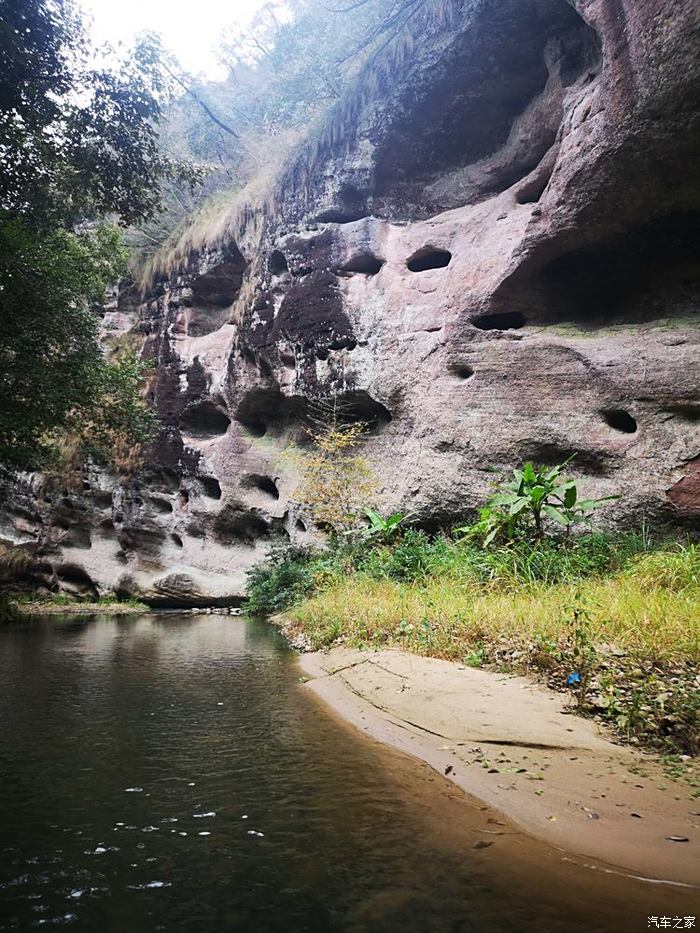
[514,746]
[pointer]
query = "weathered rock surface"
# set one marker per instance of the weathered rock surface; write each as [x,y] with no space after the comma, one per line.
[491,251]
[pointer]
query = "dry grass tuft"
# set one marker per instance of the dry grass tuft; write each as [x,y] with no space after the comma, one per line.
[236,213]
[447,618]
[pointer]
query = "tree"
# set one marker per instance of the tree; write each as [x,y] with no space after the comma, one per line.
[78,142]
[336,482]
[78,127]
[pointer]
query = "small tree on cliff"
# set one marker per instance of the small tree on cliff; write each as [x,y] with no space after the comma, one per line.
[336,481]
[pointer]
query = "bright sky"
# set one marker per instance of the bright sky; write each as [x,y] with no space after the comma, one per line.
[189,29]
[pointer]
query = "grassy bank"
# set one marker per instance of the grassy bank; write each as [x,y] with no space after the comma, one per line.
[28,604]
[612,619]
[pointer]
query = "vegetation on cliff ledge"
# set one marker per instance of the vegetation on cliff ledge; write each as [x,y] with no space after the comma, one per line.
[611,618]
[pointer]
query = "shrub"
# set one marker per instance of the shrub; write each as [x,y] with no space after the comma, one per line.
[336,481]
[280,580]
[524,502]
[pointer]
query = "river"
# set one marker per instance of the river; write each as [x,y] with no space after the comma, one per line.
[169,772]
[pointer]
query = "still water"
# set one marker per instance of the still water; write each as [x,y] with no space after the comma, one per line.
[171,773]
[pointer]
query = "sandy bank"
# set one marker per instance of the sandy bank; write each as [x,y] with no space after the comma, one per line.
[513,745]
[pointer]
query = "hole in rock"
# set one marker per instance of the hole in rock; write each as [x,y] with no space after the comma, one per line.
[235,523]
[210,487]
[102,498]
[246,354]
[543,453]
[342,343]
[349,206]
[268,411]
[277,263]
[161,505]
[76,576]
[299,525]
[204,420]
[221,282]
[147,540]
[340,217]
[651,271]
[359,406]
[364,263]
[77,538]
[195,529]
[162,480]
[461,126]
[532,190]
[503,320]
[176,539]
[429,257]
[255,427]
[264,483]
[620,420]
[687,412]
[263,410]
[287,359]
[264,368]
[462,370]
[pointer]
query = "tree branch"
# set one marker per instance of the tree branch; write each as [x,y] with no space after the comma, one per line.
[212,116]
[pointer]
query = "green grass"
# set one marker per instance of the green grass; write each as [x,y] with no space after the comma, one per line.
[447,617]
[20,605]
[513,608]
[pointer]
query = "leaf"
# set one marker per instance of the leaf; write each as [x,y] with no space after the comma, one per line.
[528,473]
[490,536]
[570,496]
[555,514]
[519,506]
[375,518]
[538,493]
[505,498]
[555,471]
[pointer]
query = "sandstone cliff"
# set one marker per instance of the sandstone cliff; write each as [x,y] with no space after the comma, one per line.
[490,250]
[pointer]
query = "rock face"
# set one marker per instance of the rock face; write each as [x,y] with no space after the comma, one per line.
[491,252]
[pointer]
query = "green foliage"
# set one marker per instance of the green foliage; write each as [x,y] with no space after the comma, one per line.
[677,569]
[287,69]
[579,620]
[281,580]
[50,361]
[297,58]
[78,141]
[53,377]
[114,431]
[384,529]
[534,494]
[78,136]
[335,480]
[634,645]
[289,574]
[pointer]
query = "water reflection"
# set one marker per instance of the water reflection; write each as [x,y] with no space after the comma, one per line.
[169,773]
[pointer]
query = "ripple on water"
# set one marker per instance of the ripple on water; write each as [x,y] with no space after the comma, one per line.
[356,839]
